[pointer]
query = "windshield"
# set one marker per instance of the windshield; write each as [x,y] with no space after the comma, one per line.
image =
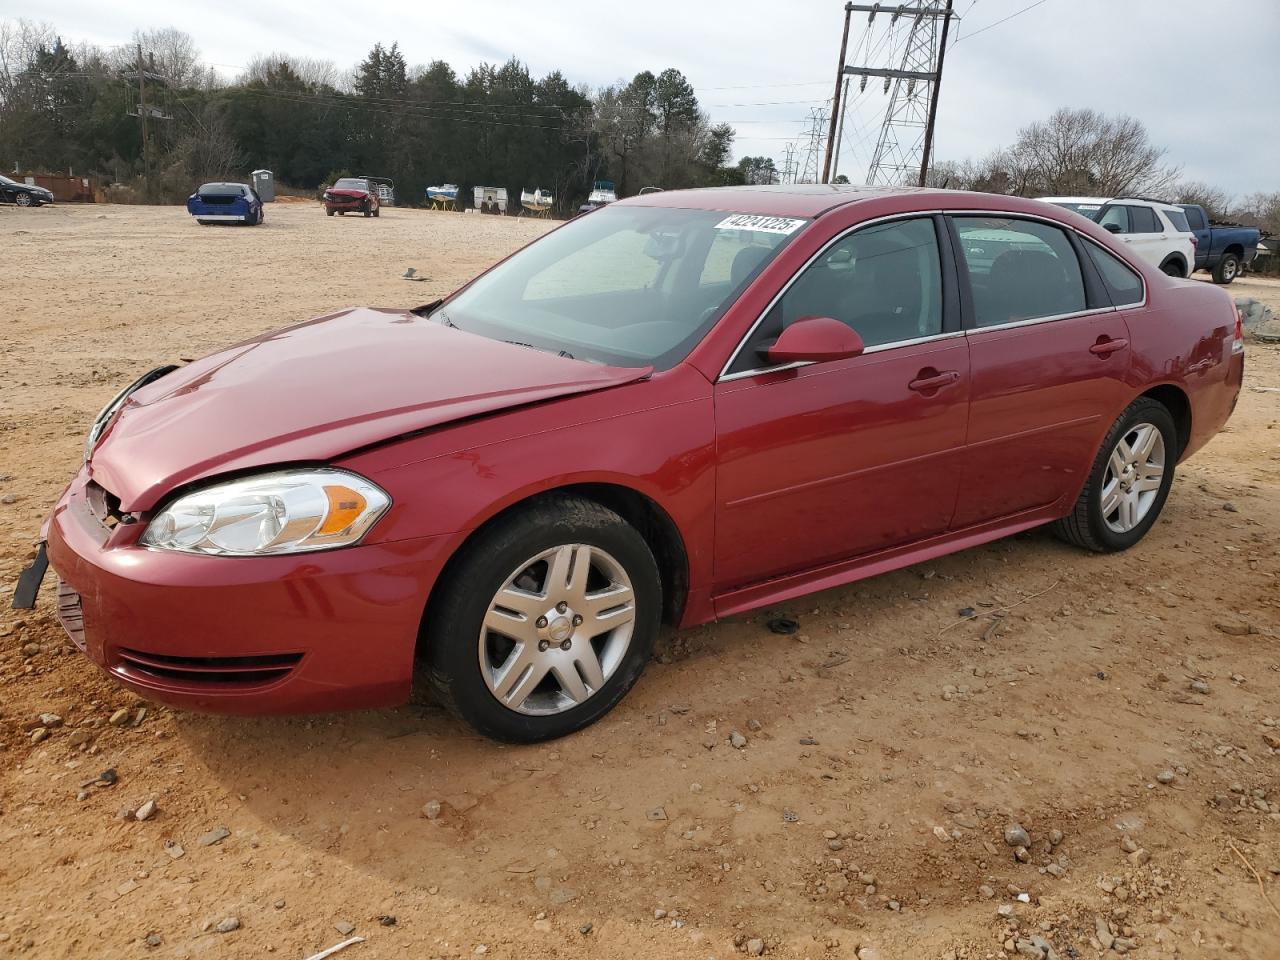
[628,286]
[351,183]
[1085,209]
[7,180]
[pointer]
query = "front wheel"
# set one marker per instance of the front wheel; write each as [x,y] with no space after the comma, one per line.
[24,200]
[1227,269]
[1128,483]
[545,622]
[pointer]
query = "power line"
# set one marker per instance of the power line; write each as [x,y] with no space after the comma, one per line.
[1016,13]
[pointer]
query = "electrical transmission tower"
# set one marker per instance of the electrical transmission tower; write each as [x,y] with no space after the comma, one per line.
[811,170]
[788,171]
[906,137]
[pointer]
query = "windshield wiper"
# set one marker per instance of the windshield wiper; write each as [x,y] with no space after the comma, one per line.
[560,353]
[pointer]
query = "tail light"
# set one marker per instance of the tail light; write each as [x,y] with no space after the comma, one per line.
[1237,342]
[1194,242]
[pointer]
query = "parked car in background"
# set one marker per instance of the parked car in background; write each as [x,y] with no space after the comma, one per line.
[352,195]
[23,194]
[226,203]
[1221,248]
[1155,231]
[684,406]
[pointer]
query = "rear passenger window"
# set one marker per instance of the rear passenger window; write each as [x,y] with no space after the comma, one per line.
[1019,270]
[1124,286]
[1143,220]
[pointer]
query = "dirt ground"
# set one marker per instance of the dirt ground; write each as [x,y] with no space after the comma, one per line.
[889,744]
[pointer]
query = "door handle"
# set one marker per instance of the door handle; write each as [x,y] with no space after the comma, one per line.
[935,381]
[1104,348]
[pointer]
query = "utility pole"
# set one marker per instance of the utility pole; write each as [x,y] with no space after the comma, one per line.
[142,115]
[835,97]
[933,101]
[900,147]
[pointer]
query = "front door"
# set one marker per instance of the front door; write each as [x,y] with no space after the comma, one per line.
[1048,363]
[833,460]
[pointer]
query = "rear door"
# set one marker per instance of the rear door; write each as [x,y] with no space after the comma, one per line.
[828,461]
[1049,355]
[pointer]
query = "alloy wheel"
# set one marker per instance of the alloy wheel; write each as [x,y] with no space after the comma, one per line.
[1134,474]
[557,629]
[23,200]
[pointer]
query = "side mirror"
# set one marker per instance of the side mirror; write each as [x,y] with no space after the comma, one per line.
[1111,227]
[813,340]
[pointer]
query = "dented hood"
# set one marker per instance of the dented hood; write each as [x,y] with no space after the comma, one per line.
[318,390]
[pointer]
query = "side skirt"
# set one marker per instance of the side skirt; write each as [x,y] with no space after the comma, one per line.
[870,565]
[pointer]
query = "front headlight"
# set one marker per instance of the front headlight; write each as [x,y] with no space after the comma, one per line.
[286,511]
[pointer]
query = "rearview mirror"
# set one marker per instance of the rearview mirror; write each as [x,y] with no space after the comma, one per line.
[1111,227]
[813,340]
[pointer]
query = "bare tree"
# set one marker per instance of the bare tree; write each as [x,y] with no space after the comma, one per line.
[1086,152]
[313,72]
[1217,202]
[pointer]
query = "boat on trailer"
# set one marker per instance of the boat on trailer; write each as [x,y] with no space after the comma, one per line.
[443,197]
[537,202]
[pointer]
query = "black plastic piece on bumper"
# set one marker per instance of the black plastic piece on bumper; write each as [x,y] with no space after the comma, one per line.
[24,595]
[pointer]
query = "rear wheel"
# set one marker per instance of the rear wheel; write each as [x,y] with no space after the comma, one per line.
[1173,268]
[1227,268]
[329,213]
[545,622]
[377,211]
[1129,481]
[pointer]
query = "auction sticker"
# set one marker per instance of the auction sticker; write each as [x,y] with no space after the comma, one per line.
[751,221]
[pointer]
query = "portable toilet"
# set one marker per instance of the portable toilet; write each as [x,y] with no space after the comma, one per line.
[265,184]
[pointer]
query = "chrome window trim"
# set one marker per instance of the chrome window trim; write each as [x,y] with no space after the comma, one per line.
[878,348]
[1032,321]
[726,377]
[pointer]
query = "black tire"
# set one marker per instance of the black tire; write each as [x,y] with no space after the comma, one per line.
[461,600]
[1085,525]
[1173,268]
[367,213]
[203,223]
[329,213]
[24,200]
[1226,269]
[377,211]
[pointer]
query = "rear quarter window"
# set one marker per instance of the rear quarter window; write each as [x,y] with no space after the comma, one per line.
[1179,220]
[1122,283]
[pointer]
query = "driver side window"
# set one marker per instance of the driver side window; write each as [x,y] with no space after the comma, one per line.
[885,282]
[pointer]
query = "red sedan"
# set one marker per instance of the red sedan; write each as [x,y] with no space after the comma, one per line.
[352,195]
[679,407]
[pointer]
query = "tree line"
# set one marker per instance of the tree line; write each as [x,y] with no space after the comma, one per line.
[75,108]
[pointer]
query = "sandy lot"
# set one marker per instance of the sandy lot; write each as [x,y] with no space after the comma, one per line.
[890,743]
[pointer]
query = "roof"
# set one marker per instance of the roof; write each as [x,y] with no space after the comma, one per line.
[776,200]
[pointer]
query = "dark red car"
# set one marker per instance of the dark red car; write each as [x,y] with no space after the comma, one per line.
[352,195]
[683,406]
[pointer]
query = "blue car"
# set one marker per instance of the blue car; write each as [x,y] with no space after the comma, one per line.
[226,203]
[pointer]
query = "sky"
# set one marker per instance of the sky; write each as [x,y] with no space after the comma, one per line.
[1201,74]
